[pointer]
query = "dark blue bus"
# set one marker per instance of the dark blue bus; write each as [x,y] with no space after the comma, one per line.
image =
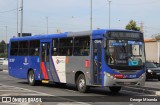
[112,58]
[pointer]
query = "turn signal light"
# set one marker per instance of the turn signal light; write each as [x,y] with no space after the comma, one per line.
[87,63]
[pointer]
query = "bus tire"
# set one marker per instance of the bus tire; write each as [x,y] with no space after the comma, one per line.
[115,89]
[81,84]
[31,78]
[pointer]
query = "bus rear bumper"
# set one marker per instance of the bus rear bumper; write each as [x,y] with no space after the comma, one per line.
[111,81]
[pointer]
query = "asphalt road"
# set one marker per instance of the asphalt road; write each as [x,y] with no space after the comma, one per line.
[154,83]
[67,95]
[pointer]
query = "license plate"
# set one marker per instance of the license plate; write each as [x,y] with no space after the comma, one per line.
[127,83]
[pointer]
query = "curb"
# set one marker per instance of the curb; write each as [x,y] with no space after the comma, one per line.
[145,90]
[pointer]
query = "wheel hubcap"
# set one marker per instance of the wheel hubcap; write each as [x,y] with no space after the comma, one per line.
[81,83]
[31,78]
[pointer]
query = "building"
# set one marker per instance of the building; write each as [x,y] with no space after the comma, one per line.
[152,48]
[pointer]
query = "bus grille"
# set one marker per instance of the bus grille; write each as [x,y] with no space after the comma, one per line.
[126,83]
[127,71]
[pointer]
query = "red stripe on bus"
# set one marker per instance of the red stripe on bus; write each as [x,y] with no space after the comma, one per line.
[44,71]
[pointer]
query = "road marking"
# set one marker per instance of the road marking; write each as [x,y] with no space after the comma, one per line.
[41,93]
[70,90]
[29,90]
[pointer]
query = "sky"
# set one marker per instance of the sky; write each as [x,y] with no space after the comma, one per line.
[74,15]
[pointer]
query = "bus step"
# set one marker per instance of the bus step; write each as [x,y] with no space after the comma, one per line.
[45,81]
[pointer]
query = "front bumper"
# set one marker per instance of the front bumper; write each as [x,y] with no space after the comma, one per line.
[111,81]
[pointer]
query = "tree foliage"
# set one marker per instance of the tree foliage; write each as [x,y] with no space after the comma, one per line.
[132,26]
[3,49]
[3,42]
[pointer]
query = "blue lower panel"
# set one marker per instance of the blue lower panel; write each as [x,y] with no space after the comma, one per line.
[18,73]
[19,66]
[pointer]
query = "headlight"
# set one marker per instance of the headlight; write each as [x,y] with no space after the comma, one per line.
[107,74]
[149,71]
[143,75]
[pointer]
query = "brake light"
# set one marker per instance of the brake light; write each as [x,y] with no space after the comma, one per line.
[87,63]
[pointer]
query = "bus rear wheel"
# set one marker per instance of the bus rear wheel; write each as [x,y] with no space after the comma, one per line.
[81,84]
[31,78]
[115,89]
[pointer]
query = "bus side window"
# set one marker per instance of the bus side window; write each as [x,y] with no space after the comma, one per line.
[23,48]
[68,52]
[81,46]
[66,46]
[14,49]
[34,47]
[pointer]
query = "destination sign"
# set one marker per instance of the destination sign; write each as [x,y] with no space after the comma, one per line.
[124,35]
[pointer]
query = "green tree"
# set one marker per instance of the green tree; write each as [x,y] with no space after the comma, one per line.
[132,26]
[3,51]
[3,42]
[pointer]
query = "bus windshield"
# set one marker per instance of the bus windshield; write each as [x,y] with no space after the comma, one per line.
[125,53]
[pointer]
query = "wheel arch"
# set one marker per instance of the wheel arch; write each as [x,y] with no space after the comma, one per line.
[29,71]
[77,74]
[35,81]
[81,86]
[36,73]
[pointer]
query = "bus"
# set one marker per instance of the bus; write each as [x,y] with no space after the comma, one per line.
[105,57]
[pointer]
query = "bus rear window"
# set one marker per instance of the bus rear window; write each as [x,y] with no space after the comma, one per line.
[14,48]
[24,48]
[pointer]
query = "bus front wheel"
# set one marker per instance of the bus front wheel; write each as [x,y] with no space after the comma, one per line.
[81,84]
[115,89]
[31,78]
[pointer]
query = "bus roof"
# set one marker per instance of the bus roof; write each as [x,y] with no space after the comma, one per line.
[95,33]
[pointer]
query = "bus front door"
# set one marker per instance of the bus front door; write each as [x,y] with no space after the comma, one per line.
[44,64]
[97,54]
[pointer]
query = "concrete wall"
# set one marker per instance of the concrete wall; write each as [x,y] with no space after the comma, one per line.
[152,51]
